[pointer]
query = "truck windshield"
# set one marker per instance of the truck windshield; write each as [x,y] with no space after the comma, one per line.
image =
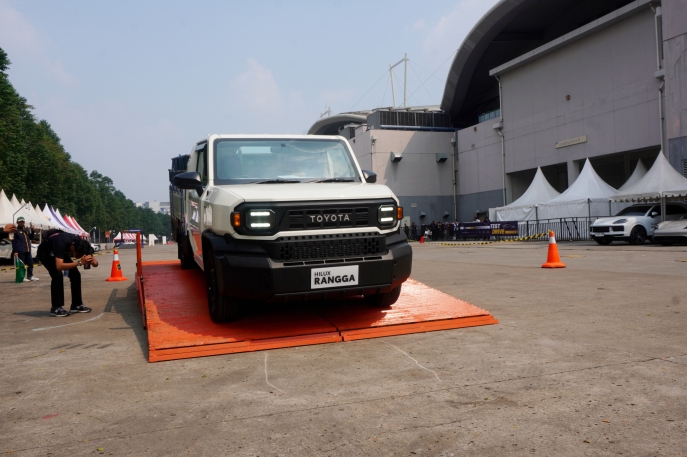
[246,161]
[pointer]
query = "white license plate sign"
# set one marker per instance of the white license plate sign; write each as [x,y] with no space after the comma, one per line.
[321,278]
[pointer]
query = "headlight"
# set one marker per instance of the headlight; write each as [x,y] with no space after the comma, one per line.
[387,215]
[260,219]
[620,221]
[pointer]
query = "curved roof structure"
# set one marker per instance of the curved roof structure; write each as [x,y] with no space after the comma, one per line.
[331,125]
[510,29]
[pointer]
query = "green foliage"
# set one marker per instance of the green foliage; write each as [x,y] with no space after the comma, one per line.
[35,167]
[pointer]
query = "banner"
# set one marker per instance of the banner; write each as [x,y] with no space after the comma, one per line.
[474,230]
[504,228]
[484,230]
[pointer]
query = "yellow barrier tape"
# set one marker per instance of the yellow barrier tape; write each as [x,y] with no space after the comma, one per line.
[525,238]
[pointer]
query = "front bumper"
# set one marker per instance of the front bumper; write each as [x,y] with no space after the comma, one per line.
[670,237]
[259,277]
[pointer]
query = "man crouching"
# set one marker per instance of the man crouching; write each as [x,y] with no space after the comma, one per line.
[56,253]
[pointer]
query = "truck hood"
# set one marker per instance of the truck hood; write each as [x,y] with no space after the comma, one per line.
[309,191]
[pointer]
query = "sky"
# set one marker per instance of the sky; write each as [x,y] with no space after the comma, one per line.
[127,85]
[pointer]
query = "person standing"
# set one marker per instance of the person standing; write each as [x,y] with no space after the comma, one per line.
[21,246]
[406,229]
[56,253]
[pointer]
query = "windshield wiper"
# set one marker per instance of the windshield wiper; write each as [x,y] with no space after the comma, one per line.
[276,181]
[334,180]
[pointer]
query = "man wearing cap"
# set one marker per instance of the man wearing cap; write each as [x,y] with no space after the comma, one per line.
[21,245]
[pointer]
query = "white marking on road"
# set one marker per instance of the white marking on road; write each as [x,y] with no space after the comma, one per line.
[416,362]
[267,380]
[66,325]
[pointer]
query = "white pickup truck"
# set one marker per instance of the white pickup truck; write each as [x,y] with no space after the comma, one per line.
[282,218]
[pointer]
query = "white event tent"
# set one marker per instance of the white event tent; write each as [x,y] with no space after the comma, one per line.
[637,174]
[587,196]
[678,192]
[525,207]
[660,178]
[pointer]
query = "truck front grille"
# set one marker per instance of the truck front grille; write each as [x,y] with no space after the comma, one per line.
[321,247]
[327,218]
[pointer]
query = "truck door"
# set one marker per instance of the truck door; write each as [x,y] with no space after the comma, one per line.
[195,210]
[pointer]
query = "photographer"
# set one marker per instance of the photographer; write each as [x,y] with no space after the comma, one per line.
[56,253]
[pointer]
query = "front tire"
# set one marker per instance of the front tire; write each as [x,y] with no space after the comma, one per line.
[384,300]
[603,241]
[637,235]
[222,308]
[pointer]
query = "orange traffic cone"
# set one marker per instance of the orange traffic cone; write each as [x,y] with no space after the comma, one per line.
[116,274]
[553,260]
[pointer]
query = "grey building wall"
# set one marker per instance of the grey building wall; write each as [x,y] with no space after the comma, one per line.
[674,20]
[434,207]
[418,178]
[470,204]
[613,98]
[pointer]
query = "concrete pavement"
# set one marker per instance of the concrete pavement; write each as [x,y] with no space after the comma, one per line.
[588,360]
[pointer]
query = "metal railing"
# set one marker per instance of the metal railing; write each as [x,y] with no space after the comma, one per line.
[565,229]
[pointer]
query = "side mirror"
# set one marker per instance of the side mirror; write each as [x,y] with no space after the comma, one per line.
[189,180]
[370,176]
[654,214]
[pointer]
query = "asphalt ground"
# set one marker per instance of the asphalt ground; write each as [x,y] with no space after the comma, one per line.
[587,360]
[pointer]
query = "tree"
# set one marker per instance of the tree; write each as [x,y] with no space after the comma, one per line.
[35,166]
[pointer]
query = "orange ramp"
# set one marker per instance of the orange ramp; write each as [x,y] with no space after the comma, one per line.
[179,325]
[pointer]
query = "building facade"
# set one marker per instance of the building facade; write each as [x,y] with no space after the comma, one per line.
[542,83]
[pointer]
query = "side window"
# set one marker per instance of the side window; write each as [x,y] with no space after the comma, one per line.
[673,210]
[202,167]
[656,209]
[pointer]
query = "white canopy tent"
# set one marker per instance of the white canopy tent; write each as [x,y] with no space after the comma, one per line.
[587,196]
[7,209]
[525,207]
[25,211]
[678,192]
[48,223]
[637,174]
[660,178]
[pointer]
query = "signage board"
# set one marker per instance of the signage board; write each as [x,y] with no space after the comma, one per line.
[571,141]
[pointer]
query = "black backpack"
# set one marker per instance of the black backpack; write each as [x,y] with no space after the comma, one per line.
[45,248]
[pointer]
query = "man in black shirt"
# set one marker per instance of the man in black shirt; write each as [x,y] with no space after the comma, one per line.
[57,257]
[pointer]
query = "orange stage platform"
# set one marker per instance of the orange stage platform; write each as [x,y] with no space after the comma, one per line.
[174,307]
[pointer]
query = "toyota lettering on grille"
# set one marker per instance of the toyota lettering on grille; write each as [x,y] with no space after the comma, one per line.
[330,218]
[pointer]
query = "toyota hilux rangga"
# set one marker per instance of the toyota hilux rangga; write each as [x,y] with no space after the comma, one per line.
[285,218]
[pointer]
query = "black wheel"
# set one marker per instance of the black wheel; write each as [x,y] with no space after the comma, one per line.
[603,241]
[221,307]
[186,253]
[384,300]
[638,235]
